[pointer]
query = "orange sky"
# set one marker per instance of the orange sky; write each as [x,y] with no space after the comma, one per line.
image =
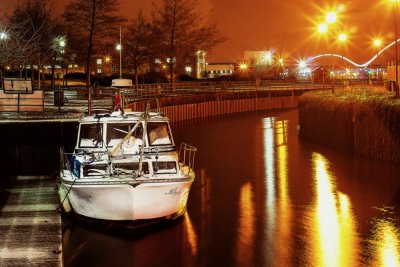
[287,27]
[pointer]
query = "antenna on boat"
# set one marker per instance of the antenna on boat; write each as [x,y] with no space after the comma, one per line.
[158,106]
[146,117]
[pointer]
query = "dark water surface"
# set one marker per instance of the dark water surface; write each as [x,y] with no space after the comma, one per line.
[263,197]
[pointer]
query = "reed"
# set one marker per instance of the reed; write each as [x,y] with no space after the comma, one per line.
[360,120]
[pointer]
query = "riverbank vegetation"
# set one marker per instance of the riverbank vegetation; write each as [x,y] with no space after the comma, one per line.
[361,120]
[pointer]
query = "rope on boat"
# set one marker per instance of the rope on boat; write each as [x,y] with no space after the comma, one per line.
[64,157]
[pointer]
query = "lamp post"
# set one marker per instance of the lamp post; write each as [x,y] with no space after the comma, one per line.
[396,85]
[377,44]
[119,48]
[3,37]
[342,38]
[322,29]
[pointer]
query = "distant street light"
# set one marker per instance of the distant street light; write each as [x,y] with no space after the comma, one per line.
[243,66]
[342,37]
[3,36]
[108,59]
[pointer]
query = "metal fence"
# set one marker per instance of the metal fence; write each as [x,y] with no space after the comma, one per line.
[75,99]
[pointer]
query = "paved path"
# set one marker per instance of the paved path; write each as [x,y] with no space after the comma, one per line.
[30,226]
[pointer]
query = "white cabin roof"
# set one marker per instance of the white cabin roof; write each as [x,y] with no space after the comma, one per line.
[127,116]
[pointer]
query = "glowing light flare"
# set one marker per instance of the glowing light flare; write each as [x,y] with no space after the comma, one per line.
[107,59]
[118,47]
[377,43]
[267,57]
[302,64]
[243,66]
[331,17]
[322,28]
[3,36]
[342,37]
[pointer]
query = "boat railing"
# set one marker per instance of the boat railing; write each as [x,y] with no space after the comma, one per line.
[64,160]
[186,156]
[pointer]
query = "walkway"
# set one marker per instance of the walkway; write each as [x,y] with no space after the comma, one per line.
[30,226]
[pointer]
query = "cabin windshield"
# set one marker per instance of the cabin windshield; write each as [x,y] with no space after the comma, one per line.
[158,134]
[118,131]
[91,135]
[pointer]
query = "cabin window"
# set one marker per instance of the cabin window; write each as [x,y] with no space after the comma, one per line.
[168,167]
[158,133]
[95,169]
[129,167]
[118,131]
[91,135]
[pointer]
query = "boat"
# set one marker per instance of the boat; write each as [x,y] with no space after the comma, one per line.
[125,167]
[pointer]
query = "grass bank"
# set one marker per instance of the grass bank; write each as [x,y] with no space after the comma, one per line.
[359,120]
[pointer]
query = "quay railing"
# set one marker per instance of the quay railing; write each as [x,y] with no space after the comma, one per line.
[74,99]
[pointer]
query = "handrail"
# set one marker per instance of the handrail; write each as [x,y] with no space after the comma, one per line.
[186,156]
[73,98]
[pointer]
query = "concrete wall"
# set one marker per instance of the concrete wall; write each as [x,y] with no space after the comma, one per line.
[192,107]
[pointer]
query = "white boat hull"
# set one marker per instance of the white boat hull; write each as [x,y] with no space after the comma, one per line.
[148,200]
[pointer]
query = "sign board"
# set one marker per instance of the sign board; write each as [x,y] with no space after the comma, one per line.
[121,83]
[17,86]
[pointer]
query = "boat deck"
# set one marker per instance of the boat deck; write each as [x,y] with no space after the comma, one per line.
[30,226]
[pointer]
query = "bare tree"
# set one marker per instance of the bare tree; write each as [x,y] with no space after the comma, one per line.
[91,22]
[28,33]
[138,39]
[181,31]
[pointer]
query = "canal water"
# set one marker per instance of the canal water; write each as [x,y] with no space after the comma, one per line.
[262,197]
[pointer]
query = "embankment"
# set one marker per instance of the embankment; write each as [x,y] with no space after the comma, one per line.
[361,121]
[200,106]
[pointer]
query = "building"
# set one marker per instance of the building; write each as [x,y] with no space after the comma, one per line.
[214,70]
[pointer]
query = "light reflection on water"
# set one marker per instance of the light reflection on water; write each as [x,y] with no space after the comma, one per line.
[334,234]
[263,197]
